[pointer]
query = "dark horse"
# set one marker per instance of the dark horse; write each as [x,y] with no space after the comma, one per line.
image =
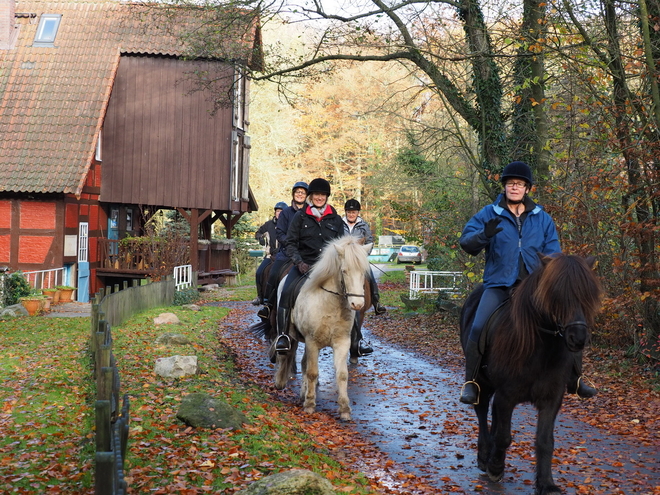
[530,354]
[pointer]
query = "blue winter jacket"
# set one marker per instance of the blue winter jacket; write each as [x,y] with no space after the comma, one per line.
[538,234]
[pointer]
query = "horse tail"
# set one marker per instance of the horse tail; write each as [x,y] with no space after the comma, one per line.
[285,367]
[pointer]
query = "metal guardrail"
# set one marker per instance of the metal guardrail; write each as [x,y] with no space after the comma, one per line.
[183,276]
[45,279]
[433,282]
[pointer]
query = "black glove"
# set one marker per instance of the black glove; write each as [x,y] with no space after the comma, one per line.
[303,267]
[491,228]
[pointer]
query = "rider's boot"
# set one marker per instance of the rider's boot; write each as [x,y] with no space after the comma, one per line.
[283,343]
[470,390]
[576,384]
[379,309]
[363,348]
[264,313]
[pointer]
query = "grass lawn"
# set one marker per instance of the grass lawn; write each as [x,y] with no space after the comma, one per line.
[46,437]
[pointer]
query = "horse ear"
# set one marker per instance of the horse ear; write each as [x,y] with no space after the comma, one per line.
[367,247]
[361,240]
[341,249]
[591,261]
[544,259]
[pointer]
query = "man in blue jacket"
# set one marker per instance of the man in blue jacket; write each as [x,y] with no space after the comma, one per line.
[511,231]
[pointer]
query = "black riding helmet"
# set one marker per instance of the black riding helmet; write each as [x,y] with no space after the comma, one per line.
[353,204]
[280,205]
[517,170]
[319,186]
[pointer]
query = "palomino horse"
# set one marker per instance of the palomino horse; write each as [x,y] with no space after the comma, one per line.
[533,340]
[323,316]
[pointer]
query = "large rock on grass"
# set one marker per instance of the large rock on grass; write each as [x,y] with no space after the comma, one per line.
[176,366]
[203,411]
[166,319]
[293,482]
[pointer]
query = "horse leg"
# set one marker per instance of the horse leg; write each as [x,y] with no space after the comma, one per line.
[485,441]
[545,445]
[501,437]
[310,376]
[340,352]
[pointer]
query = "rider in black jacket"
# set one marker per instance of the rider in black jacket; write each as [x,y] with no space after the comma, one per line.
[267,237]
[298,196]
[310,229]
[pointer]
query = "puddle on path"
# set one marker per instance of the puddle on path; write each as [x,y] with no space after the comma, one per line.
[409,408]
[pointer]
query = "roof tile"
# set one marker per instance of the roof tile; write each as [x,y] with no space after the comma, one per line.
[51,98]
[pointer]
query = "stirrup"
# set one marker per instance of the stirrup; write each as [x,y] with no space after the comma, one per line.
[264,313]
[478,392]
[287,341]
[380,309]
[589,390]
[364,349]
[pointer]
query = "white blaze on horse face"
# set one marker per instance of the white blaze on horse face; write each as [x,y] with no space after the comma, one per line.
[354,284]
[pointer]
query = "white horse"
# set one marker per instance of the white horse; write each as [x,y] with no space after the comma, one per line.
[323,317]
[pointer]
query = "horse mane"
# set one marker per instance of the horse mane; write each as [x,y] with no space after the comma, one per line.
[330,262]
[560,287]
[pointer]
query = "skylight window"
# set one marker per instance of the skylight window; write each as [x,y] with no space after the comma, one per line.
[47,29]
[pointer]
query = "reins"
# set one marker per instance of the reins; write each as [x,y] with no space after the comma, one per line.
[561,328]
[344,294]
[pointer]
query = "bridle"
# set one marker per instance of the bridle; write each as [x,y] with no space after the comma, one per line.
[560,330]
[343,293]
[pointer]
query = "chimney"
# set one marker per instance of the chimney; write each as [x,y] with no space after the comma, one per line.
[8,28]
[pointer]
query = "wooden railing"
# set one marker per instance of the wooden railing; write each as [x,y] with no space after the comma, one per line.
[125,256]
[112,422]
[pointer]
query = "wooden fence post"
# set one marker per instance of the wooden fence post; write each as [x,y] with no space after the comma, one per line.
[105,467]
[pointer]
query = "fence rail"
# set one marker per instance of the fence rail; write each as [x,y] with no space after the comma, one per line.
[433,282]
[112,421]
[183,277]
[45,279]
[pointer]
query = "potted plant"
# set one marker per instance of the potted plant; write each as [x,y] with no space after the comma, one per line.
[65,293]
[53,293]
[32,303]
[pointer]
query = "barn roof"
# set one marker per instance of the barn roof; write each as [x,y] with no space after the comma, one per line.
[53,98]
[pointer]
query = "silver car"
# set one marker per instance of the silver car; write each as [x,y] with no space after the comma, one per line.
[409,254]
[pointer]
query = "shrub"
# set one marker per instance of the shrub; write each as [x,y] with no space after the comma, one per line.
[186,296]
[16,287]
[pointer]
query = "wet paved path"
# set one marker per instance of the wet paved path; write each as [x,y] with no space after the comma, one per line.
[408,407]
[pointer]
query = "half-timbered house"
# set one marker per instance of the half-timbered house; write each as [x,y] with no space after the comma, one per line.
[106,119]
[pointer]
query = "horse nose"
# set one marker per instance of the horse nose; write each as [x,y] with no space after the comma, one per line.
[357,304]
[576,335]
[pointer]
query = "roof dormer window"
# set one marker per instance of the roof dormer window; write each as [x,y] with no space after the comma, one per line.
[47,30]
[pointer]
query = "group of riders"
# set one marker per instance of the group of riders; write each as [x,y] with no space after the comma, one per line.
[511,231]
[295,238]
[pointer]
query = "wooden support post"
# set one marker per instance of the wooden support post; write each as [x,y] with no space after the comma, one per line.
[125,285]
[104,385]
[103,426]
[105,467]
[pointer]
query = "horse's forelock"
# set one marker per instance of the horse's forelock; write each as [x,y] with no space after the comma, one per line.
[568,285]
[330,261]
[557,289]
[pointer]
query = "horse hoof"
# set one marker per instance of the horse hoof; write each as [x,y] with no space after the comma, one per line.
[353,360]
[310,410]
[345,417]
[548,490]
[482,465]
[495,477]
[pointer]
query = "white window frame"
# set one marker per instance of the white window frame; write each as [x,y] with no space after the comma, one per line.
[83,242]
[97,155]
[39,39]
